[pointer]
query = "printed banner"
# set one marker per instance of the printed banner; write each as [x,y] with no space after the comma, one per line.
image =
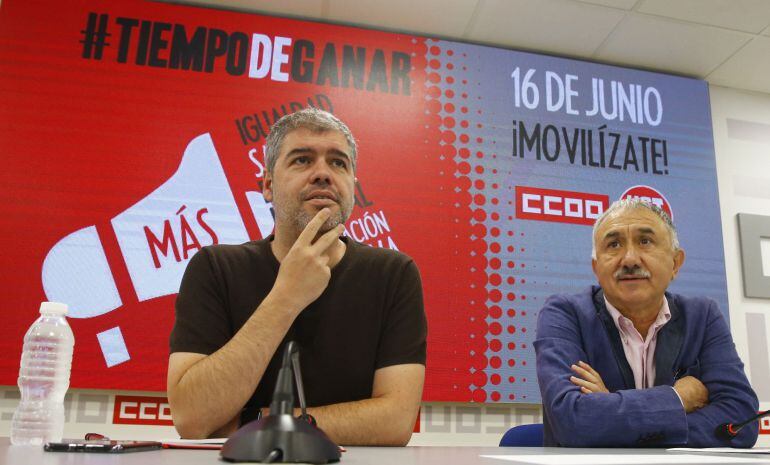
[132,135]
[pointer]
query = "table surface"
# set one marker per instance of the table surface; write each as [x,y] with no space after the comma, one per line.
[426,455]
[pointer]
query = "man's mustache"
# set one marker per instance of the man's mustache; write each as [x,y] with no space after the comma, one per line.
[631,273]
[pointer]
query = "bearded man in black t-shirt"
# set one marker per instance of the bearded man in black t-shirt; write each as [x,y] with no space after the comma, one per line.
[355,311]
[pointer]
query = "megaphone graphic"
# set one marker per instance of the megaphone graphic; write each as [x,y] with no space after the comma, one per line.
[157,237]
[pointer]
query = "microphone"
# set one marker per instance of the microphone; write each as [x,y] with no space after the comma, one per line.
[279,436]
[283,395]
[727,431]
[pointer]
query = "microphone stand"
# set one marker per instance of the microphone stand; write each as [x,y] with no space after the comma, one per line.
[300,389]
[279,437]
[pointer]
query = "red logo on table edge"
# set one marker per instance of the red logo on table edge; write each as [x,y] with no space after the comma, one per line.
[651,195]
[764,425]
[559,206]
[141,410]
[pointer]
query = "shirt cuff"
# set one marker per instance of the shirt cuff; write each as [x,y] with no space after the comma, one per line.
[678,397]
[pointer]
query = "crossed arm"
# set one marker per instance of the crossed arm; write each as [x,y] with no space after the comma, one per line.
[692,393]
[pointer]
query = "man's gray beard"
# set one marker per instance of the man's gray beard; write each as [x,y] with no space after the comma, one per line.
[302,218]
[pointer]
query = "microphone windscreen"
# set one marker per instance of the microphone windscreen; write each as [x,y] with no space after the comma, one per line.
[725,431]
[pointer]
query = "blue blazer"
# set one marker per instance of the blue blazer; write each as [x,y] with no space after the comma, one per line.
[696,341]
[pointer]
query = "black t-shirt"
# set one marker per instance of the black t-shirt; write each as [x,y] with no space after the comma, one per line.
[370,316]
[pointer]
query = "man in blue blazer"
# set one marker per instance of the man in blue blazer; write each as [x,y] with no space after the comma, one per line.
[628,364]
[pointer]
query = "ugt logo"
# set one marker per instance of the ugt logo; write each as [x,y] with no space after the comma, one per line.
[650,195]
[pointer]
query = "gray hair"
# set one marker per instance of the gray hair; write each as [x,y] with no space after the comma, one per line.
[630,204]
[310,118]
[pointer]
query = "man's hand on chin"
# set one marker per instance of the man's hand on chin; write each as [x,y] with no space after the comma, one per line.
[304,272]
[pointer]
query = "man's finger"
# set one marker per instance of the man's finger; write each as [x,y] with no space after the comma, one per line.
[585,374]
[588,367]
[311,230]
[584,383]
[586,387]
[579,381]
[327,239]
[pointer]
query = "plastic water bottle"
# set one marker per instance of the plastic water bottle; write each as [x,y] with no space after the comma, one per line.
[44,377]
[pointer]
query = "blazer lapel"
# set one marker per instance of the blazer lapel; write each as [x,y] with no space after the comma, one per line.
[669,344]
[617,346]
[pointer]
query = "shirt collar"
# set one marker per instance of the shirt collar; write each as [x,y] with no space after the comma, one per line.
[664,315]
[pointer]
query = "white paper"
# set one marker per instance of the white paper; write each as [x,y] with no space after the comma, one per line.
[618,459]
[724,450]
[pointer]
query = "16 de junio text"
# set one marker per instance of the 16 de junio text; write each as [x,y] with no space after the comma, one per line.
[609,99]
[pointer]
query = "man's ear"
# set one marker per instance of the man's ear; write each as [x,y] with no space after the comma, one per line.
[267,187]
[678,262]
[593,266]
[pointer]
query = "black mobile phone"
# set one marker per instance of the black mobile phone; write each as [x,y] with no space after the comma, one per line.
[104,446]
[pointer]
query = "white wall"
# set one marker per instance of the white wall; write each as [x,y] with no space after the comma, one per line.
[741,123]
